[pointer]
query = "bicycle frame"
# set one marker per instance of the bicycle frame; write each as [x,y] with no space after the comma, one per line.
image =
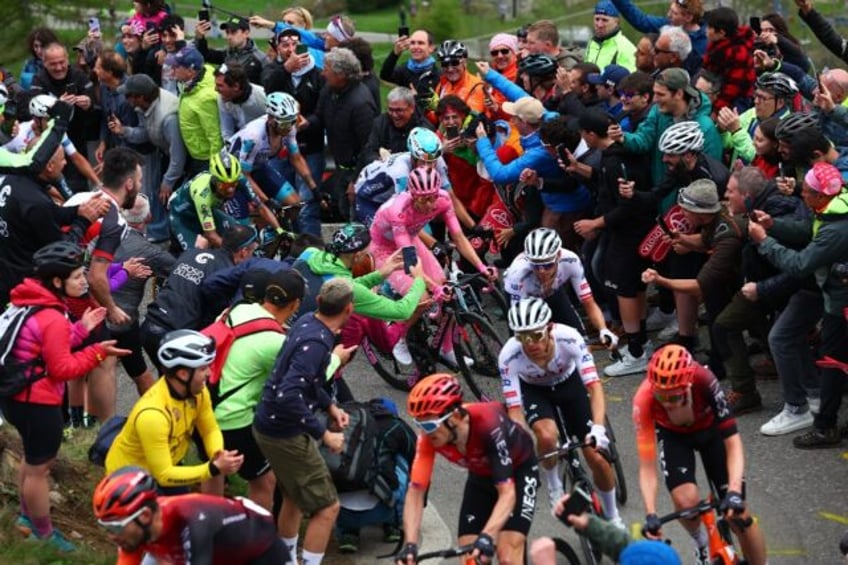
[721,550]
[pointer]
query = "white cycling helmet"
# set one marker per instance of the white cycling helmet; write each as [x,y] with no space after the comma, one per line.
[4,94]
[542,245]
[529,314]
[186,348]
[282,107]
[40,105]
[681,138]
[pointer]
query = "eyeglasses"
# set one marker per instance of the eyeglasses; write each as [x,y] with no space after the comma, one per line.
[543,266]
[117,526]
[451,62]
[531,337]
[430,426]
[762,97]
[670,398]
[626,95]
[495,52]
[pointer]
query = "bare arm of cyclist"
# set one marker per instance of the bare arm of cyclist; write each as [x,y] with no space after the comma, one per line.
[597,402]
[268,216]
[412,510]
[301,168]
[461,213]
[735,462]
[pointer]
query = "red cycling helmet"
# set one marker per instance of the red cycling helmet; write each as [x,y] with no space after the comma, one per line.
[424,182]
[123,493]
[434,396]
[671,367]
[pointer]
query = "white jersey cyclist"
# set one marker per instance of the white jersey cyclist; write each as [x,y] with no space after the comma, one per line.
[522,281]
[570,355]
[252,146]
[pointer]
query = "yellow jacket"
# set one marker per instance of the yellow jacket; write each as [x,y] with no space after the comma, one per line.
[157,436]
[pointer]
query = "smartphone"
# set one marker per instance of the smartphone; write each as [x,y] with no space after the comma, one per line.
[203,15]
[754,22]
[93,24]
[780,172]
[578,503]
[664,226]
[624,172]
[452,132]
[410,259]
[71,89]
[301,48]
[562,153]
[749,210]
[150,26]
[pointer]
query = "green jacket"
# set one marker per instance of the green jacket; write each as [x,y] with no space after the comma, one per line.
[198,113]
[609,538]
[365,300]
[742,140]
[614,49]
[827,238]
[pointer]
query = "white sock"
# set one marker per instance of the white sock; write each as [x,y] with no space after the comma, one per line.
[291,543]
[310,558]
[552,478]
[608,502]
[700,537]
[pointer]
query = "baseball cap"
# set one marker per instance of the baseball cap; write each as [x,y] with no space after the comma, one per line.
[675,78]
[611,76]
[139,85]
[253,284]
[825,179]
[700,197]
[606,8]
[284,286]
[188,57]
[235,23]
[238,236]
[527,108]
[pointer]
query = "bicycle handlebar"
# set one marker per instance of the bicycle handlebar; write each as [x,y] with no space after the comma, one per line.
[445,553]
[567,448]
[706,505]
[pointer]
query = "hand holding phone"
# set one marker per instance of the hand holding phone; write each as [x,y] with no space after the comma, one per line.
[664,226]
[754,22]
[93,25]
[578,502]
[203,15]
[410,258]
[452,132]
[403,31]
[301,49]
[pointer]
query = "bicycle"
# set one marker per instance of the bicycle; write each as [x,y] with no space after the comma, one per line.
[472,337]
[279,246]
[722,551]
[445,553]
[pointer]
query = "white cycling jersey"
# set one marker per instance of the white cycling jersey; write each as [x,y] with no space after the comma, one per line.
[252,146]
[521,282]
[570,353]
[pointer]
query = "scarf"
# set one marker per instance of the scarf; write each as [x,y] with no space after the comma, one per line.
[298,75]
[418,68]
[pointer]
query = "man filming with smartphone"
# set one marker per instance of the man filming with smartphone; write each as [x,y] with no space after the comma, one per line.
[240,48]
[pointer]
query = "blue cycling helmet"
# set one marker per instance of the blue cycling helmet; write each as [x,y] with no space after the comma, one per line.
[423,144]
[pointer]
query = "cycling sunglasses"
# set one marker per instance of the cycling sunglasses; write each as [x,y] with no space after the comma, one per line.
[531,337]
[543,266]
[451,62]
[670,398]
[430,426]
[117,526]
[495,52]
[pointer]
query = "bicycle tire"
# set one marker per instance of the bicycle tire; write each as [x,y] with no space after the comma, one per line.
[592,553]
[475,338]
[387,367]
[615,459]
[564,549]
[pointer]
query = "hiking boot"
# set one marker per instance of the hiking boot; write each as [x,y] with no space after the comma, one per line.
[627,365]
[818,439]
[401,352]
[349,542]
[56,539]
[786,422]
[658,320]
[24,525]
[742,403]
[702,556]
[391,533]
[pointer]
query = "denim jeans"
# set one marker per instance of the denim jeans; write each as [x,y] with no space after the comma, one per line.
[159,228]
[309,217]
[789,348]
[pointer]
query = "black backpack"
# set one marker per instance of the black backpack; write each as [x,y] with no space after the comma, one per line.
[352,468]
[15,376]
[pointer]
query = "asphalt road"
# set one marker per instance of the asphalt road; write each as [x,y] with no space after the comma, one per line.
[799,497]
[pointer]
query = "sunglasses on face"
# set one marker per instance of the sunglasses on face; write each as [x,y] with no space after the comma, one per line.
[670,398]
[532,337]
[626,95]
[543,266]
[425,199]
[451,62]
[117,526]
[430,426]
[496,52]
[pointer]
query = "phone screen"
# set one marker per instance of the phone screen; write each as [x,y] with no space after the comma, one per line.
[754,22]
[452,132]
[203,15]
[403,31]
[577,504]
[93,24]
[301,48]
[624,172]
[410,258]
[562,153]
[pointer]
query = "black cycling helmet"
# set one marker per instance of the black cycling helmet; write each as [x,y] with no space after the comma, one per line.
[778,84]
[538,65]
[452,49]
[349,238]
[57,259]
[794,123]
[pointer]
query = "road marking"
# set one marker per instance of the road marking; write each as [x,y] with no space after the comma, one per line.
[614,398]
[788,552]
[835,518]
[845,454]
[636,530]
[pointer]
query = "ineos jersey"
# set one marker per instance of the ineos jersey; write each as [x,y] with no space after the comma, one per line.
[521,282]
[570,354]
[180,303]
[199,529]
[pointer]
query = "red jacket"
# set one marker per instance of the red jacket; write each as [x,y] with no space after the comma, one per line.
[50,335]
[732,58]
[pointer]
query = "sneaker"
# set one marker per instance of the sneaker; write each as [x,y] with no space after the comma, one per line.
[401,352]
[618,522]
[815,404]
[787,422]
[743,403]
[627,365]
[24,525]
[554,496]
[702,556]
[349,542]
[391,533]
[57,539]
[658,319]
[669,331]
[816,439]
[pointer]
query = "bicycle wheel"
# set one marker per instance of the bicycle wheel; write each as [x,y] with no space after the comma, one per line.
[566,553]
[615,460]
[474,338]
[402,377]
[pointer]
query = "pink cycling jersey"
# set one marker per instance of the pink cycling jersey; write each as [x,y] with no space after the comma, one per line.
[397,225]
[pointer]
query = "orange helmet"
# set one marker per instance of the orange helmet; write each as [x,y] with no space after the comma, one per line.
[671,367]
[434,396]
[123,493]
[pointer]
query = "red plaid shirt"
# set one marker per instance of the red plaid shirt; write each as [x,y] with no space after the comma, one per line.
[733,60]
